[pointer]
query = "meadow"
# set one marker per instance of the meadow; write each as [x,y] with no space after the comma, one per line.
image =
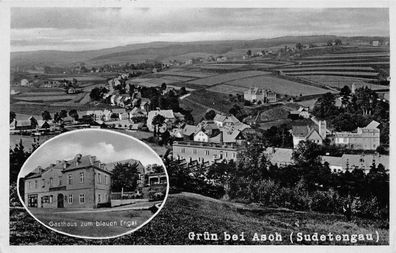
[341,81]
[277,85]
[187,212]
[222,78]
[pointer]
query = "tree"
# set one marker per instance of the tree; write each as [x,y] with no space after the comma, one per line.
[325,106]
[306,154]
[95,94]
[163,86]
[209,115]
[125,176]
[249,53]
[73,113]
[158,120]
[63,114]
[12,116]
[299,46]
[46,115]
[338,42]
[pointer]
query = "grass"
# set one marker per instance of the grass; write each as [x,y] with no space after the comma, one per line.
[186,212]
[278,85]
[339,73]
[213,80]
[341,81]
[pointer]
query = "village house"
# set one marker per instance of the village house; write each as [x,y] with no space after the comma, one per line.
[255,95]
[316,133]
[167,114]
[351,162]
[204,152]
[279,156]
[81,182]
[365,138]
[302,112]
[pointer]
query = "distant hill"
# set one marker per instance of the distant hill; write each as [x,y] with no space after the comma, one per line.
[163,50]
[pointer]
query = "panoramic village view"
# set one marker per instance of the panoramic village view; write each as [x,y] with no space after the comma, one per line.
[258,136]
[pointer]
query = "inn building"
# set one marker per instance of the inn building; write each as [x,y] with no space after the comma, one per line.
[81,182]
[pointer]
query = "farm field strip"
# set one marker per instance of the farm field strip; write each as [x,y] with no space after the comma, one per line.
[278,85]
[46,98]
[339,81]
[357,64]
[177,78]
[51,93]
[328,68]
[354,73]
[79,78]
[186,74]
[222,78]
[348,55]
[343,60]
[85,99]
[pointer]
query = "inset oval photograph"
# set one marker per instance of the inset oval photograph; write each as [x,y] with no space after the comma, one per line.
[93,183]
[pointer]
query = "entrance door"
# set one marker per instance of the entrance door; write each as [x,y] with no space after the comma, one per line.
[60,200]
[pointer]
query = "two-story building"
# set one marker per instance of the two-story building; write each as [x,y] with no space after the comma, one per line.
[365,138]
[204,152]
[81,182]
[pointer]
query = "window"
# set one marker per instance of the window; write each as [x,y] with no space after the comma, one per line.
[43,182]
[99,178]
[106,180]
[206,152]
[51,181]
[51,198]
[35,184]
[60,180]
[69,179]
[234,155]
[81,177]
[82,198]
[99,200]
[30,185]
[70,198]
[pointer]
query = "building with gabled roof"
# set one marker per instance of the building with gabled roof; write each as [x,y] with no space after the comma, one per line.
[167,114]
[80,182]
[365,138]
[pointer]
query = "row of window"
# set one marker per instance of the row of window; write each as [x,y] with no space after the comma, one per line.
[69,180]
[183,150]
[81,198]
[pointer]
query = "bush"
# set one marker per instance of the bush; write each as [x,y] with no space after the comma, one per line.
[326,201]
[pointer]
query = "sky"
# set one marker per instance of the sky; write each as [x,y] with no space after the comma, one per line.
[74,29]
[107,146]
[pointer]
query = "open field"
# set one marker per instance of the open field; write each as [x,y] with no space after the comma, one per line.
[280,86]
[349,55]
[188,212]
[42,93]
[341,81]
[342,60]
[45,98]
[338,73]
[333,68]
[80,78]
[176,78]
[369,63]
[222,78]
[184,73]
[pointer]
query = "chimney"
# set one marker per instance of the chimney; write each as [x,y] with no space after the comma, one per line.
[322,128]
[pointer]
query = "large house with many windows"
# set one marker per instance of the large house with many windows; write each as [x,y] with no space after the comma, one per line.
[81,182]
